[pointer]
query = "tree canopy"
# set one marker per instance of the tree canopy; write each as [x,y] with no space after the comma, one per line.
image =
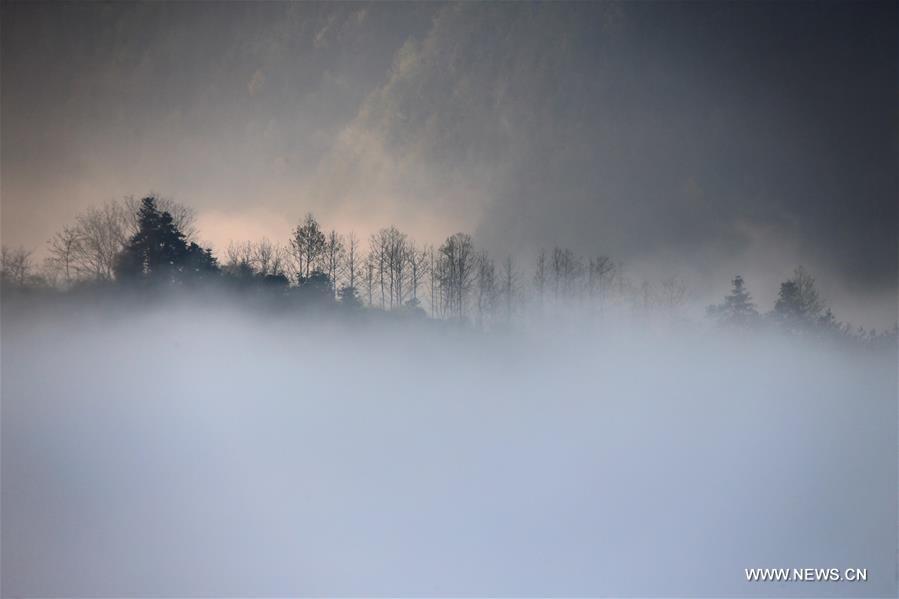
[158,252]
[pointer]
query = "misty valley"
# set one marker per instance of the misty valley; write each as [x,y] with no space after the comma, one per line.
[449,299]
[189,428]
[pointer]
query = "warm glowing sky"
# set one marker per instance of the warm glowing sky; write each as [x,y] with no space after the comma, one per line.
[696,139]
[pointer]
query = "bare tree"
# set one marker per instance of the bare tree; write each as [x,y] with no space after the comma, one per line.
[307,246]
[268,259]
[567,270]
[540,276]
[808,297]
[390,248]
[486,289]
[377,254]
[103,232]
[15,265]
[434,269]
[50,274]
[262,258]
[457,271]
[369,274]
[64,254]
[672,293]
[600,272]
[239,259]
[418,269]
[508,287]
[352,260]
[333,258]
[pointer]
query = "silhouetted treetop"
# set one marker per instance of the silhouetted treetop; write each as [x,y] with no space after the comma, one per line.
[738,308]
[798,304]
[307,246]
[151,242]
[158,252]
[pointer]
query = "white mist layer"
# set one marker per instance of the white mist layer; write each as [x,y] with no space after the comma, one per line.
[192,452]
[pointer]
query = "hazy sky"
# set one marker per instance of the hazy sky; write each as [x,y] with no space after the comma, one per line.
[695,139]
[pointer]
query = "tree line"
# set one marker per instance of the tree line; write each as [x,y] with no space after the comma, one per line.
[152,242]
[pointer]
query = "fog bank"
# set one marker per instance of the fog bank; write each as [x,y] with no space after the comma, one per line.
[192,452]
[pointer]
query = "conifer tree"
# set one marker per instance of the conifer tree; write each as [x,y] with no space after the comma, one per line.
[158,251]
[737,308]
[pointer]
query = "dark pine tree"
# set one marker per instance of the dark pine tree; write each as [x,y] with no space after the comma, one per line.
[349,298]
[798,306]
[738,308]
[788,306]
[198,263]
[316,289]
[158,252]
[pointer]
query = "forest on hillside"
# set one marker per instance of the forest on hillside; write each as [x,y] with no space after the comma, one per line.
[152,244]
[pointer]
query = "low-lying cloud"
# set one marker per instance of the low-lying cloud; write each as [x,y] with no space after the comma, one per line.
[187,450]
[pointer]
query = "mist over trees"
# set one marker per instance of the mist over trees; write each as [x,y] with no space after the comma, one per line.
[737,309]
[279,392]
[151,243]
